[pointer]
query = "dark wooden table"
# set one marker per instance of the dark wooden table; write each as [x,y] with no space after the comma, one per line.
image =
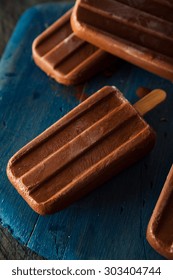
[109,224]
[10,11]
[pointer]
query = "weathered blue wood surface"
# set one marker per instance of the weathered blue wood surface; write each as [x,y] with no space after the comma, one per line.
[111,222]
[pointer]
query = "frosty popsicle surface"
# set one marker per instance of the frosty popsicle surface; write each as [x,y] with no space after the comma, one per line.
[140,32]
[96,140]
[65,57]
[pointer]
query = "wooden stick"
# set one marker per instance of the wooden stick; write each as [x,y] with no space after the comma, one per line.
[150,101]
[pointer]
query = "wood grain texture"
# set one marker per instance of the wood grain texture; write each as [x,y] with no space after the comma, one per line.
[10,11]
[109,223]
[11,249]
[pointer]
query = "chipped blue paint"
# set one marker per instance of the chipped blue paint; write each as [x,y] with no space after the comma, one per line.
[111,222]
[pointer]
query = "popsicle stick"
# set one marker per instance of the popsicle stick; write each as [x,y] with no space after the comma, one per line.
[150,101]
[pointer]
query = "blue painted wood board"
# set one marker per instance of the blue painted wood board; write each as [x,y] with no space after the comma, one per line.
[109,223]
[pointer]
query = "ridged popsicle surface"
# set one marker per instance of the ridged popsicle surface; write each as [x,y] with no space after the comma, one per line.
[99,138]
[65,57]
[160,227]
[138,31]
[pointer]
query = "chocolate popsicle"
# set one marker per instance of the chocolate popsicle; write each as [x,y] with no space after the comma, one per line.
[140,32]
[160,227]
[99,138]
[65,57]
